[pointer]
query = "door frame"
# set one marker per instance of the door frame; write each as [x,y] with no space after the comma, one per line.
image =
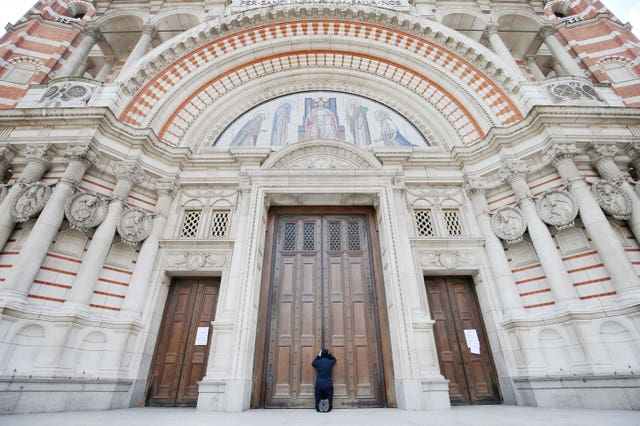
[260,358]
[174,279]
[470,280]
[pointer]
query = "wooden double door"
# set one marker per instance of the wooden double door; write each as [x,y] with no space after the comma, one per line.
[180,359]
[321,291]
[463,349]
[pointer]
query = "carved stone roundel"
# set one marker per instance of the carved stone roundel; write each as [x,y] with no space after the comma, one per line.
[85,211]
[612,200]
[134,226]
[30,201]
[509,224]
[557,208]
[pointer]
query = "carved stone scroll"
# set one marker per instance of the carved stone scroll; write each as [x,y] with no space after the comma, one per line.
[509,224]
[85,211]
[557,208]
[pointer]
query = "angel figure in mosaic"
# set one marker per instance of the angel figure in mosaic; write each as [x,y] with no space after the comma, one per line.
[248,134]
[389,132]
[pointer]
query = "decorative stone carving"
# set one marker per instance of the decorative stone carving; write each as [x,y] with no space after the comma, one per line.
[85,211]
[322,155]
[69,92]
[509,224]
[446,259]
[612,200]
[570,89]
[4,190]
[557,208]
[30,201]
[197,260]
[135,225]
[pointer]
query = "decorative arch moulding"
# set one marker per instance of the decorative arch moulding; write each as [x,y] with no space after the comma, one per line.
[147,102]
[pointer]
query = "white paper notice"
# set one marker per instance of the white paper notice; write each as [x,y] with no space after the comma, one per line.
[472,341]
[201,336]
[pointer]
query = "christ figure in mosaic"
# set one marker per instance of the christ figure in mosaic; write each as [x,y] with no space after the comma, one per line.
[321,122]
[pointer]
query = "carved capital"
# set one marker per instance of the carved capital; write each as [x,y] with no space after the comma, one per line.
[561,152]
[7,153]
[546,31]
[93,32]
[128,171]
[168,186]
[38,153]
[633,151]
[601,152]
[513,170]
[149,30]
[81,153]
[475,185]
[490,30]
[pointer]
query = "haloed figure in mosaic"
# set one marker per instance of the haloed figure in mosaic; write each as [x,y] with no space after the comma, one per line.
[321,122]
[280,125]
[323,364]
[389,132]
[248,134]
[358,123]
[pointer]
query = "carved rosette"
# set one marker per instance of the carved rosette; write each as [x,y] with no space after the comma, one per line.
[135,225]
[557,208]
[69,92]
[612,200]
[85,211]
[30,201]
[509,224]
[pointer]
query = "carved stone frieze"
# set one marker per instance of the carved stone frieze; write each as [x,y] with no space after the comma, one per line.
[134,226]
[85,211]
[324,156]
[557,208]
[447,259]
[612,200]
[509,224]
[196,260]
[30,201]
[565,89]
[69,92]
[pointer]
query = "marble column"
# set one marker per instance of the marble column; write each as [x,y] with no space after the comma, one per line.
[602,159]
[498,46]
[38,161]
[535,69]
[515,172]
[603,237]
[548,35]
[35,248]
[78,298]
[505,284]
[103,74]
[79,55]
[141,48]
[141,279]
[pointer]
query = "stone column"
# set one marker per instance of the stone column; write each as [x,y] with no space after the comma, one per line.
[633,150]
[505,284]
[103,74]
[141,48]
[498,46]
[141,278]
[602,158]
[515,173]
[548,34]
[127,174]
[623,274]
[39,159]
[557,68]
[535,69]
[7,153]
[46,228]
[79,55]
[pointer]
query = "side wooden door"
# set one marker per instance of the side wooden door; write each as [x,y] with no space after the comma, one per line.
[454,307]
[180,359]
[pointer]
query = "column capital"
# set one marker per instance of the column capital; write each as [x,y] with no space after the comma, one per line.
[633,151]
[599,152]
[490,30]
[91,31]
[168,186]
[546,31]
[149,30]
[7,154]
[81,153]
[512,170]
[558,152]
[129,172]
[475,185]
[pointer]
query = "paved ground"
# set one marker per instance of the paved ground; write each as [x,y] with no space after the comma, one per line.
[474,415]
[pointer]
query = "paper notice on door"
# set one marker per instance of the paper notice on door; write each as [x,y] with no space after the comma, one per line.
[201,336]
[472,341]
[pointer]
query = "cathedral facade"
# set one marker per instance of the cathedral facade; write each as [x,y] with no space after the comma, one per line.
[200,195]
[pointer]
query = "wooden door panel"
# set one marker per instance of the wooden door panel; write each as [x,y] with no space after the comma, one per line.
[178,363]
[454,308]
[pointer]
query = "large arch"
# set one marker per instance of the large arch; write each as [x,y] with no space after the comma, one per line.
[173,98]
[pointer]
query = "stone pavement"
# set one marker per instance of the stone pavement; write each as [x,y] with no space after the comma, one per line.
[471,415]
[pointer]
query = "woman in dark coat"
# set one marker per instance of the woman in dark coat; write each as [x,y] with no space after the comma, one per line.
[324,363]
